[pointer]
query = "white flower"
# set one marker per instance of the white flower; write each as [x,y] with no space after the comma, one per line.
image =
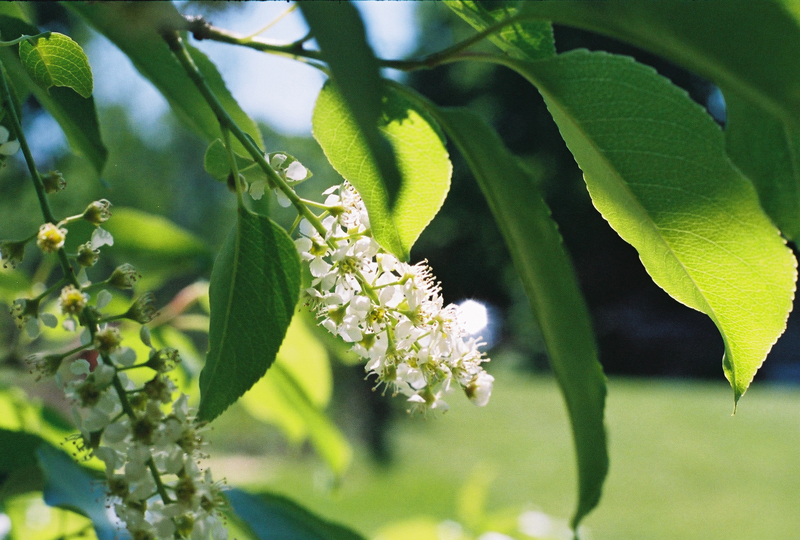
[391,312]
[480,389]
[7,148]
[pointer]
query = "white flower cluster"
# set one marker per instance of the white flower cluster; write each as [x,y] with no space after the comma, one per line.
[154,483]
[391,312]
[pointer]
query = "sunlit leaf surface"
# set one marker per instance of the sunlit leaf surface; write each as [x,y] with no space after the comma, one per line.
[656,168]
[253,291]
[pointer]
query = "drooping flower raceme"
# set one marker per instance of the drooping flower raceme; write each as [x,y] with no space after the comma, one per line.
[151,455]
[390,311]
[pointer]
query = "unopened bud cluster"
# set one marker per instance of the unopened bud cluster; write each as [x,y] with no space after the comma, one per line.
[391,312]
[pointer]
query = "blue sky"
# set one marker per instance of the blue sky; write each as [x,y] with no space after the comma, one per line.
[278,91]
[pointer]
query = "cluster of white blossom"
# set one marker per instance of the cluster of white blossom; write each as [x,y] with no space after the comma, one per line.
[149,441]
[391,312]
[151,454]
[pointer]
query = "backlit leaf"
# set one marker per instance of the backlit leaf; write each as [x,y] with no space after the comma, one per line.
[57,61]
[528,40]
[158,248]
[656,168]
[424,164]
[748,47]
[340,33]
[217,162]
[75,114]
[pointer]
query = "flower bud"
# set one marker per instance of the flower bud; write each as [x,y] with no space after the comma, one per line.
[72,300]
[98,212]
[51,238]
[12,253]
[124,277]
[163,360]
[53,182]
[143,309]
[87,257]
[107,340]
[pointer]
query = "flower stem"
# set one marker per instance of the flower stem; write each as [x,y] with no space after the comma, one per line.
[44,203]
[201,29]
[175,43]
[57,285]
[90,319]
[24,37]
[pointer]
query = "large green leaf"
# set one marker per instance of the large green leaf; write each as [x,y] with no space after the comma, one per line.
[767,150]
[158,248]
[57,60]
[656,168]
[134,28]
[75,114]
[294,393]
[272,517]
[139,234]
[253,291]
[424,164]
[759,74]
[340,33]
[527,40]
[749,47]
[551,285]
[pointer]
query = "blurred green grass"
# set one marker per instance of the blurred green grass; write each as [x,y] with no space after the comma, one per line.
[681,465]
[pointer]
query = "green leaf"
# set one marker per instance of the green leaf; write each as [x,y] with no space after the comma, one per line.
[527,40]
[57,61]
[70,486]
[217,162]
[305,360]
[656,168]
[12,282]
[744,46]
[768,152]
[272,517]
[551,285]
[327,439]
[424,164]
[19,470]
[158,248]
[254,288]
[75,114]
[139,234]
[13,9]
[134,27]
[340,33]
